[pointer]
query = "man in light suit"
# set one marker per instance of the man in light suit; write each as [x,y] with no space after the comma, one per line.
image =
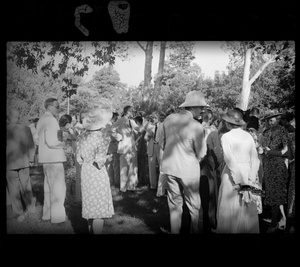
[52,156]
[184,146]
[20,152]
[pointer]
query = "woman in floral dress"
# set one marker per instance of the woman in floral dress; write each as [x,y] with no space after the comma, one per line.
[275,170]
[91,154]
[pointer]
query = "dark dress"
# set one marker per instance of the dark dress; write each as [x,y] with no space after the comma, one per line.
[275,170]
[291,194]
[142,158]
[69,166]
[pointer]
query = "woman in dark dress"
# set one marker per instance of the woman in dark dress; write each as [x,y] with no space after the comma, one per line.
[143,173]
[291,193]
[275,170]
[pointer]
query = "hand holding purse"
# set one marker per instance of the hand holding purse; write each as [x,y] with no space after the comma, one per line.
[96,165]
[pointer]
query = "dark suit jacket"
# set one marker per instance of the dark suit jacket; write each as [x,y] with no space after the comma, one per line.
[19,146]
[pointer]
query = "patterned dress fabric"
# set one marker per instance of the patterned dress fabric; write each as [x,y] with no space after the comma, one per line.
[275,170]
[95,185]
[291,194]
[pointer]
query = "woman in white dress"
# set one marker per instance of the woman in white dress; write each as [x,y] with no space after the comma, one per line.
[236,210]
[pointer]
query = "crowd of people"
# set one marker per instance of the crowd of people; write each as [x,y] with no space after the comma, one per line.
[225,168]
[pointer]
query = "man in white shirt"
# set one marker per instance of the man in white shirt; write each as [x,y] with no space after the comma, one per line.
[52,156]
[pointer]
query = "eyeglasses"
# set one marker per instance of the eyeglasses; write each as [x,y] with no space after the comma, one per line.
[57,107]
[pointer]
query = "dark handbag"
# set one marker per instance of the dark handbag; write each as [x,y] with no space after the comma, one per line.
[60,135]
[253,190]
[96,165]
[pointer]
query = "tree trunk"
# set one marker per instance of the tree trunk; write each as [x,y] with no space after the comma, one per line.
[247,82]
[161,65]
[244,98]
[148,70]
[261,69]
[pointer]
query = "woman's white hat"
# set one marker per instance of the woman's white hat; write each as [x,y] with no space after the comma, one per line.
[97,118]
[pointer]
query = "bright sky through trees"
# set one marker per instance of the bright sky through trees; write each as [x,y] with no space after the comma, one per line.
[209,56]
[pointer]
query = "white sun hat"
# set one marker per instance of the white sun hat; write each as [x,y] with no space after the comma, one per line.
[97,118]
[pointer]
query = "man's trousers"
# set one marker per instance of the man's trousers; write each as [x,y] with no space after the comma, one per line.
[128,171]
[19,185]
[54,192]
[180,190]
[153,162]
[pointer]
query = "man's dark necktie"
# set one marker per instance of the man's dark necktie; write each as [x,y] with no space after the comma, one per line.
[130,125]
[155,133]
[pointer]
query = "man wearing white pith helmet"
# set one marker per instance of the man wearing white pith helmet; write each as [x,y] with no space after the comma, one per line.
[184,146]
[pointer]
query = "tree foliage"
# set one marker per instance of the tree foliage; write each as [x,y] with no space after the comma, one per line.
[181,54]
[269,60]
[105,90]
[180,75]
[36,71]
[27,91]
[56,58]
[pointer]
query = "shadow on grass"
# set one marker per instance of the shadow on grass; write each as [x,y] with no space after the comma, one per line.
[73,212]
[144,205]
[79,224]
[138,212]
[141,207]
[37,182]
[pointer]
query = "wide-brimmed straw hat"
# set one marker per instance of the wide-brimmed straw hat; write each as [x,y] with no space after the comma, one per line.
[234,117]
[194,99]
[271,114]
[97,118]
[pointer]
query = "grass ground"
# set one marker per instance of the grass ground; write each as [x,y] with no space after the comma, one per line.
[139,212]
